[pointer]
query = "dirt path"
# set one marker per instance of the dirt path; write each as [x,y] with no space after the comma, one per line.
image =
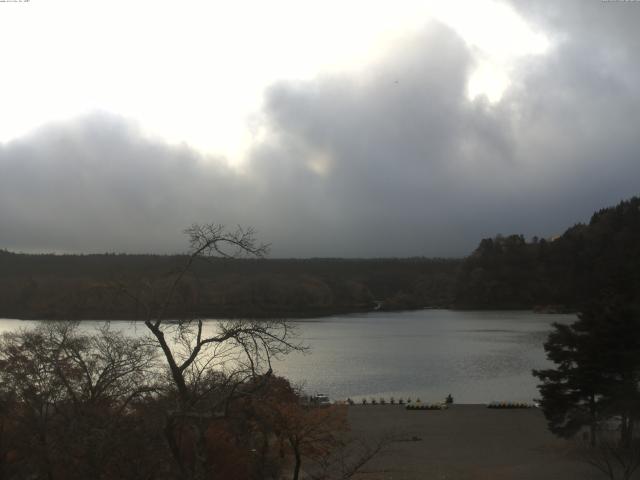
[465,442]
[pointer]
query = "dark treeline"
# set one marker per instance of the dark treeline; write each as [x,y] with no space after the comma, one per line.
[88,286]
[563,273]
[505,272]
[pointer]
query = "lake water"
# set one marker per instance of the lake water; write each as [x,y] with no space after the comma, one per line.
[478,357]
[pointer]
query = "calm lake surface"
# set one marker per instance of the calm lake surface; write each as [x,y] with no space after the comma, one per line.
[478,357]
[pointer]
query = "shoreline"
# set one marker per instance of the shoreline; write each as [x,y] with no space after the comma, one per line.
[291,316]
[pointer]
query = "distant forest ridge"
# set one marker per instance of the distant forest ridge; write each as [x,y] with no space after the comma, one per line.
[589,261]
[90,286]
[505,272]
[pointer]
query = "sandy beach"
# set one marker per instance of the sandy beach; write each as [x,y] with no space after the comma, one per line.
[465,442]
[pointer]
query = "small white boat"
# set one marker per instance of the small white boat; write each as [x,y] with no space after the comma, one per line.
[321,399]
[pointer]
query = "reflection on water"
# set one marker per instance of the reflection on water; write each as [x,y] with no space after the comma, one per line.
[478,357]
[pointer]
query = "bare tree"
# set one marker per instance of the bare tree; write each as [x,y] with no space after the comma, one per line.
[207,362]
[617,459]
[68,396]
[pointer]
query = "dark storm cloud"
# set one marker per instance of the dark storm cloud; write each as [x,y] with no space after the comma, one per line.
[579,106]
[417,168]
[379,153]
[391,161]
[97,185]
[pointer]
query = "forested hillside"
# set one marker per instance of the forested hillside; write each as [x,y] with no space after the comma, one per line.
[504,272]
[585,262]
[98,286]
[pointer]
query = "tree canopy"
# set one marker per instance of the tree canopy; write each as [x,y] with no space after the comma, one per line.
[559,273]
[597,371]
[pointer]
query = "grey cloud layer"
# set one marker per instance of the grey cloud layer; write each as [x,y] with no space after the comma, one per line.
[97,185]
[393,161]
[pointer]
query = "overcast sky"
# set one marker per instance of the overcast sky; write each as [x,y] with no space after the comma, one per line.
[352,129]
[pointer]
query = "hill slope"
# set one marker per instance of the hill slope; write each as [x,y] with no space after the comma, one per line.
[587,261]
[88,286]
[502,273]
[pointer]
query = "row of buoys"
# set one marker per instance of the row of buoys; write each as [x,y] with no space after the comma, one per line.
[427,406]
[509,405]
[418,405]
[400,401]
[381,401]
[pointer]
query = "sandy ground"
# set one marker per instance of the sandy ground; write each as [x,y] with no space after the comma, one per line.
[465,442]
